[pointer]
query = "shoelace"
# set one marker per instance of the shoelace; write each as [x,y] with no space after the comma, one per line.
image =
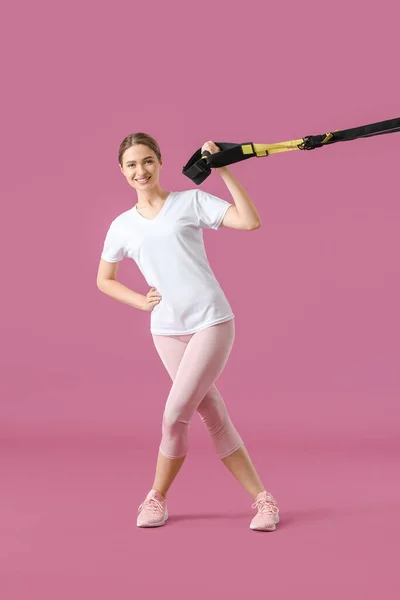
[151,504]
[266,506]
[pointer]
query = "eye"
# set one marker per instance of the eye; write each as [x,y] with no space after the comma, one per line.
[147,161]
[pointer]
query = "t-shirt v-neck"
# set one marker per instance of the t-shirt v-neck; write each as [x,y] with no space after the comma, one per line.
[159,212]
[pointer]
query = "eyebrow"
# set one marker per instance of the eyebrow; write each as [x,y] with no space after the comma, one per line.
[130,161]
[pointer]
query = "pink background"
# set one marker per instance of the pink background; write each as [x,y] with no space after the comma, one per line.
[313,382]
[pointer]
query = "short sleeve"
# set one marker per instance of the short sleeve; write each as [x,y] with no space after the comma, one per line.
[210,209]
[113,249]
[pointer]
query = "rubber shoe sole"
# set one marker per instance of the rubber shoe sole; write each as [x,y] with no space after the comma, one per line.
[159,524]
[267,528]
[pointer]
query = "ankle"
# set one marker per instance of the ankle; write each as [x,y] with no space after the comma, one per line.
[257,493]
[162,494]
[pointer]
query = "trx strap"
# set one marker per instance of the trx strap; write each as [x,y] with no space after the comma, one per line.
[198,168]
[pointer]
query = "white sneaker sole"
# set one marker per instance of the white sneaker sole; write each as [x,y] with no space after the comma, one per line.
[159,524]
[267,528]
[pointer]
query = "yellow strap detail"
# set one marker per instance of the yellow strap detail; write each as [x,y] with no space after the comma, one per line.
[328,137]
[247,149]
[264,149]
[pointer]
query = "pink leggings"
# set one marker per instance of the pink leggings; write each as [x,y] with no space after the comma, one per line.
[194,362]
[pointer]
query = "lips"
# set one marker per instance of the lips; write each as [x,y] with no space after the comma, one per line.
[143,180]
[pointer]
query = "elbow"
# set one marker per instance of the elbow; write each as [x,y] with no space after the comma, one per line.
[99,284]
[255,225]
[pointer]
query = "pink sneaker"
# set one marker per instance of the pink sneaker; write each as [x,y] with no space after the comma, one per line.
[267,512]
[153,511]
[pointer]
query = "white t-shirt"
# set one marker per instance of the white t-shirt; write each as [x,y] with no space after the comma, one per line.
[169,251]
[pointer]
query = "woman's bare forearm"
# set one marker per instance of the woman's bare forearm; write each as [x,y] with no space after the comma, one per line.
[119,291]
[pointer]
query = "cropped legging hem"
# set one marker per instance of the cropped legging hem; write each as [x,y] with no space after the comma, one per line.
[224,455]
[168,455]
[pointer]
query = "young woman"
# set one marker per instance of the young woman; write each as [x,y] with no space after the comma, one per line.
[192,323]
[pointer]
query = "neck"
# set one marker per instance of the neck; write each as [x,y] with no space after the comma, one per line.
[152,197]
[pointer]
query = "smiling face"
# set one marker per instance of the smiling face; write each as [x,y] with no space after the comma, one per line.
[141,167]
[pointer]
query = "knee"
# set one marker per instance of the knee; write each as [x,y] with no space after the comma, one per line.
[213,412]
[173,420]
[175,435]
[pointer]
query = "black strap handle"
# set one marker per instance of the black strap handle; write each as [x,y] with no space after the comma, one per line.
[199,166]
